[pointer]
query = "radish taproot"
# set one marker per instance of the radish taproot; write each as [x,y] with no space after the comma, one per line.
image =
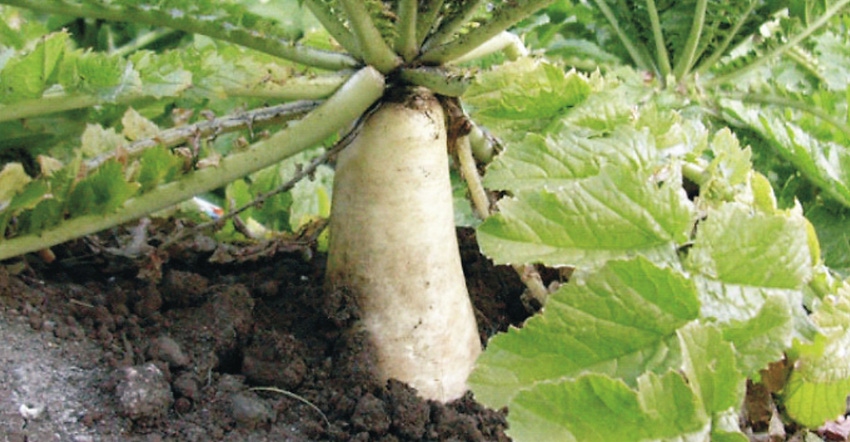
[393,246]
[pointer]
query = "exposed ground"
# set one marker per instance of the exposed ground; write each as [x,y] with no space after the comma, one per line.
[119,340]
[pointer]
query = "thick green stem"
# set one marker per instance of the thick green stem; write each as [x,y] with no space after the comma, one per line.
[331,22]
[376,52]
[720,51]
[450,25]
[142,41]
[686,58]
[406,43]
[189,21]
[439,80]
[298,88]
[506,15]
[505,41]
[44,106]
[638,57]
[661,55]
[429,10]
[351,101]
[836,8]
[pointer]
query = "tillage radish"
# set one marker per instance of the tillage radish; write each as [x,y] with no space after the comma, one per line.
[393,246]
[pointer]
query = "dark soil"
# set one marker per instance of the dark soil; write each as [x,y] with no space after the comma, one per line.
[200,341]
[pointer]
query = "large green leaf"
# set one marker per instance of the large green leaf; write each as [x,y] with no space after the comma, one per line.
[683,405]
[560,159]
[598,408]
[621,320]
[618,213]
[524,96]
[740,246]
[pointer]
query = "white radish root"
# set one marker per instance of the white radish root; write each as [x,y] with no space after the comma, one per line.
[393,246]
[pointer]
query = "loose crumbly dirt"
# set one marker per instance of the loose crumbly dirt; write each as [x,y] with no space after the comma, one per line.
[120,340]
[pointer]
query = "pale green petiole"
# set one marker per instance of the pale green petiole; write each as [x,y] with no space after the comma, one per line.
[376,52]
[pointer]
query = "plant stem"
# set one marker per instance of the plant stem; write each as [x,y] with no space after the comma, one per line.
[428,13]
[720,51]
[686,58]
[504,41]
[805,61]
[469,171]
[188,21]
[255,118]
[298,88]
[770,56]
[406,43]
[450,25]
[439,80]
[376,52]
[142,41]
[640,60]
[43,106]
[331,22]
[352,100]
[660,48]
[527,273]
[506,15]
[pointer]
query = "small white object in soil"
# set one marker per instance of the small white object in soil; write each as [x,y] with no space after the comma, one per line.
[30,412]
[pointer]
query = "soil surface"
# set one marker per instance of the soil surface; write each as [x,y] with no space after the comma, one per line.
[122,339]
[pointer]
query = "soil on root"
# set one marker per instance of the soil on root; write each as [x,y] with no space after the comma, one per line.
[137,343]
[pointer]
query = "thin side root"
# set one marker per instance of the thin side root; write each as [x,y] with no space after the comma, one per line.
[298,398]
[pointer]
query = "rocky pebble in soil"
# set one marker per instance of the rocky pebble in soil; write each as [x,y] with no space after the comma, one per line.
[143,394]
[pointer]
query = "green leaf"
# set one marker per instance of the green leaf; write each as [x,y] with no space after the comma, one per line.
[618,213]
[28,75]
[13,179]
[749,268]
[598,408]
[97,141]
[101,192]
[524,96]
[739,246]
[158,165]
[818,387]
[560,159]
[709,364]
[162,74]
[612,104]
[763,338]
[729,168]
[620,320]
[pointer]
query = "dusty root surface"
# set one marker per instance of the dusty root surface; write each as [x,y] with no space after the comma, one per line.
[120,340]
